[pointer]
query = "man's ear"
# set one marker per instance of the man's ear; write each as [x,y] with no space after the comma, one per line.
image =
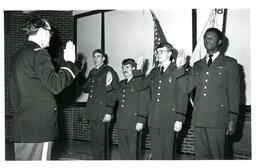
[220,42]
[170,53]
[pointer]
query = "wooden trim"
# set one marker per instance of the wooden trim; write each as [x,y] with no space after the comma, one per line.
[194,28]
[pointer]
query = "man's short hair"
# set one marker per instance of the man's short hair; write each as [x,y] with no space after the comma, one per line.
[166,45]
[100,51]
[32,25]
[217,31]
[129,61]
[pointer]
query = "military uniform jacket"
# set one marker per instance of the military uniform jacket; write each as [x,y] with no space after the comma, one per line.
[217,91]
[95,85]
[167,103]
[131,108]
[34,83]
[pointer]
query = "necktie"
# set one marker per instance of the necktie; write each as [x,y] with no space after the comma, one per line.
[210,60]
[162,70]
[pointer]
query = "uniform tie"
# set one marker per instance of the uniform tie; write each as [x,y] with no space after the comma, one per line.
[210,60]
[162,70]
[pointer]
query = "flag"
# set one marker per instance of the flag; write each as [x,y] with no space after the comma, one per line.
[215,19]
[159,36]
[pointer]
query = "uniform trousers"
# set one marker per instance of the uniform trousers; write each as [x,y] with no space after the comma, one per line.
[162,141]
[127,140]
[209,143]
[98,144]
[33,151]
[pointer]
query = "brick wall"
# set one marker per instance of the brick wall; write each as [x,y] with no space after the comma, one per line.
[71,116]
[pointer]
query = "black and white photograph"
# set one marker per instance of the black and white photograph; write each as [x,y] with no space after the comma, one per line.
[148,86]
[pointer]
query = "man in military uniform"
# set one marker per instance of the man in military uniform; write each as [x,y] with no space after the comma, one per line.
[216,105]
[97,109]
[33,84]
[167,106]
[131,113]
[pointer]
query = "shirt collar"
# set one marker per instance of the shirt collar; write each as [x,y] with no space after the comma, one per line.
[166,66]
[99,67]
[214,56]
[129,79]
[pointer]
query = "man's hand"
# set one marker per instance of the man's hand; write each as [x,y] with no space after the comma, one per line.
[107,118]
[231,128]
[139,126]
[181,58]
[177,126]
[109,78]
[69,52]
[140,61]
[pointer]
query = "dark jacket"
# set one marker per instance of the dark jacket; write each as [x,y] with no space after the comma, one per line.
[167,103]
[217,91]
[95,85]
[34,83]
[131,108]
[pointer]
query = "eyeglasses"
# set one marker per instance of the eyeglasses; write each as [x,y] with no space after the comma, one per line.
[50,31]
[161,51]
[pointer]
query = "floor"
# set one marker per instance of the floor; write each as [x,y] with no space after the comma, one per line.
[80,150]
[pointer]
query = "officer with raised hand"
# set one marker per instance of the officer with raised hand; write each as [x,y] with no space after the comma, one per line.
[34,82]
[167,104]
[131,115]
[216,105]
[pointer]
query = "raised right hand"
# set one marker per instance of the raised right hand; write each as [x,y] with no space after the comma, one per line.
[109,78]
[181,58]
[69,52]
[140,61]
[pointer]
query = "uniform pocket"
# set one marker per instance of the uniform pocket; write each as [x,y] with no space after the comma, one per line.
[218,76]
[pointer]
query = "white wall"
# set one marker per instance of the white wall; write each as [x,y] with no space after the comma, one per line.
[128,34]
[238,33]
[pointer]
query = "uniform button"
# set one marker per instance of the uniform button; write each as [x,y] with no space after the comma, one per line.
[204,94]
[219,73]
[173,109]
[135,113]
[92,81]
[123,100]
[158,94]
[90,96]
[160,81]
[206,80]
[222,105]
[91,91]
[122,106]
[123,90]
[123,95]
[159,87]
[207,73]
[205,87]
[157,100]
